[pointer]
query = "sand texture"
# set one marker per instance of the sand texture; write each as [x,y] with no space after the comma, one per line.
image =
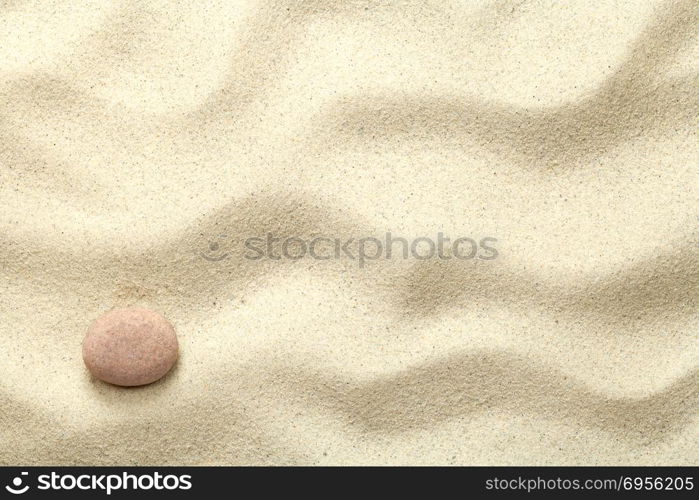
[142,142]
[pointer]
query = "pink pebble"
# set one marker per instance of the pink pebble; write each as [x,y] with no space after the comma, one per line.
[130,347]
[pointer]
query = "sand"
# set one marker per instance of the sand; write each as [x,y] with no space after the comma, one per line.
[142,142]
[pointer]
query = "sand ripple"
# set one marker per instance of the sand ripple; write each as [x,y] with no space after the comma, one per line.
[122,156]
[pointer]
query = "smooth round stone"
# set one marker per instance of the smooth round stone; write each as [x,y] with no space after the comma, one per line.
[130,347]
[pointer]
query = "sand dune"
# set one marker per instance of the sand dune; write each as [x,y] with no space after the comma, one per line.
[459,386]
[630,101]
[139,139]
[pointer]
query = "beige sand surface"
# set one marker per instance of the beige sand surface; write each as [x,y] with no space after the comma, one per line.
[134,134]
